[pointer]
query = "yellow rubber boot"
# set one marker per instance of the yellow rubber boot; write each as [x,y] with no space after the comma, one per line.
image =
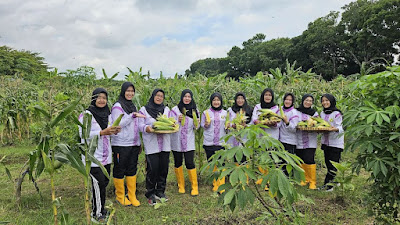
[193,181]
[304,183]
[180,179]
[131,183]
[120,192]
[312,169]
[215,182]
[221,182]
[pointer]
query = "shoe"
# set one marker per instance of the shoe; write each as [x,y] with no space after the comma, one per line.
[326,188]
[159,196]
[102,219]
[152,200]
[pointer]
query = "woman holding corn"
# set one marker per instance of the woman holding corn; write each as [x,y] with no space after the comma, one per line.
[126,145]
[183,141]
[213,122]
[157,147]
[242,112]
[287,131]
[333,141]
[101,127]
[267,102]
[307,141]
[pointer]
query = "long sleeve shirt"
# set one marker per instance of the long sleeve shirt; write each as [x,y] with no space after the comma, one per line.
[129,135]
[233,142]
[334,138]
[306,139]
[287,133]
[103,150]
[216,130]
[153,143]
[184,139]
[273,131]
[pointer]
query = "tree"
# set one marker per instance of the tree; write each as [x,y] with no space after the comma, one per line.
[23,63]
[371,30]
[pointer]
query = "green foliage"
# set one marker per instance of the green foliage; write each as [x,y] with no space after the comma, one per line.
[373,128]
[21,63]
[343,179]
[259,151]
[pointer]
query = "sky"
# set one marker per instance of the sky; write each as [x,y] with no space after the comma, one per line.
[157,35]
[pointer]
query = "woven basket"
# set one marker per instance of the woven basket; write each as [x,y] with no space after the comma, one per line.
[165,131]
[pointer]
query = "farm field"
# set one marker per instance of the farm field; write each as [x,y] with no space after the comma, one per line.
[180,209]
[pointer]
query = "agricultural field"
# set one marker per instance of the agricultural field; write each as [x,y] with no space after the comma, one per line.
[38,115]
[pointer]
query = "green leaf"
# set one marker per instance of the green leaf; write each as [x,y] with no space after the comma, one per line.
[65,112]
[371,118]
[47,163]
[229,196]
[93,144]
[385,117]
[97,162]
[42,111]
[234,177]
[383,168]
[242,200]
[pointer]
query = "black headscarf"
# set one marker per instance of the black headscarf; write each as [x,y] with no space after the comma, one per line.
[100,114]
[127,105]
[309,111]
[246,108]
[189,107]
[155,109]
[331,108]
[216,94]
[265,105]
[284,98]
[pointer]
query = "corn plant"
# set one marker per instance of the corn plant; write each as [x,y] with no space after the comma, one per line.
[343,179]
[72,157]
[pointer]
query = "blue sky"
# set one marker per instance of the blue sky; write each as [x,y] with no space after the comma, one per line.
[157,35]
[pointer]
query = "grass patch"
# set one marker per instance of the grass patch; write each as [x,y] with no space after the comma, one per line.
[180,209]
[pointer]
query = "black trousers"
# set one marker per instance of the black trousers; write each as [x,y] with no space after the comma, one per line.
[189,159]
[210,150]
[157,171]
[291,149]
[331,154]
[307,155]
[125,160]
[99,184]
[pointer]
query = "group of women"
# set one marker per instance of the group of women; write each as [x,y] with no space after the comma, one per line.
[124,142]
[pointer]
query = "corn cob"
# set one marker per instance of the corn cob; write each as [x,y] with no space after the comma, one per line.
[195,120]
[117,121]
[184,117]
[208,119]
[281,110]
[227,120]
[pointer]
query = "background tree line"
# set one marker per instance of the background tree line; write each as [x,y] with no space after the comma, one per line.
[365,35]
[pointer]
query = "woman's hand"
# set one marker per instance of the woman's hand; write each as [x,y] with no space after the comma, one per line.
[139,115]
[110,130]
[180,118]
[285,119]
[149,129]
[206,124]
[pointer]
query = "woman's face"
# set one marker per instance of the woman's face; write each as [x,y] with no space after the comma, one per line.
[240,100]
[267,97]
[308,102]
[187,98]
[101,100]
[159,98]
[216,102]
[325,102]
[288,101]
[129,93]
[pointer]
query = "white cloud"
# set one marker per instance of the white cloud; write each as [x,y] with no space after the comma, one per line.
[158,35]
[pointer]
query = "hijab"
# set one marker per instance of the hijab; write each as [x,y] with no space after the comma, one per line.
[246,108]
[309,111]
[218,95]
[155,109]
[331,108]
[100,114]
[127,105]
[265,105]
[293,100]
[189,107]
